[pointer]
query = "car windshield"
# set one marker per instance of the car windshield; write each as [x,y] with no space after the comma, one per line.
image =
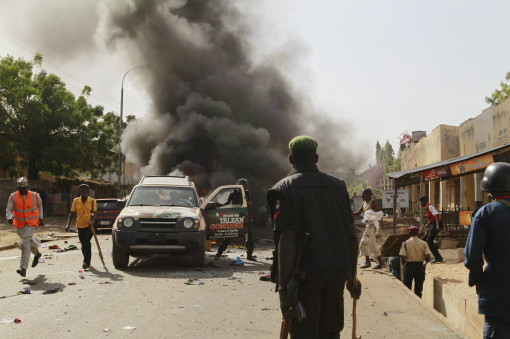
[107,205]
[163,196]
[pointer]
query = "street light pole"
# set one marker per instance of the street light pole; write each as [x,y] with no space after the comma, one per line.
[120,124]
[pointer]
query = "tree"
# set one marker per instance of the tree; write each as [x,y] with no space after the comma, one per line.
[500,95]
[378,152]
[44,128]
[388,158]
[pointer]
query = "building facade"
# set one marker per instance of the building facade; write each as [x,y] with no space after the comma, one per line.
[448,164]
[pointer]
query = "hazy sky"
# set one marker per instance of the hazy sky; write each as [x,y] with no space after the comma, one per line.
[381,67]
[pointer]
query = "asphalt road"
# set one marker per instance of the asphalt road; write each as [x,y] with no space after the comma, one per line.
[151,298]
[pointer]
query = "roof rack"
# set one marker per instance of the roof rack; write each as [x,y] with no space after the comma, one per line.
[166,180]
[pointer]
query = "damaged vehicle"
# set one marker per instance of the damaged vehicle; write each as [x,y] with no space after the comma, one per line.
[163,215]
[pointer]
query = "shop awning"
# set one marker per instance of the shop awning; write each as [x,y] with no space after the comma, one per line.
[454,167]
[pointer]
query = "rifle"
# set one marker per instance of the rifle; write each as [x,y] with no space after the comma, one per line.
[293,289]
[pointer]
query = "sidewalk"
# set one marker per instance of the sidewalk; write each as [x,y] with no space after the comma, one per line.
[387,309]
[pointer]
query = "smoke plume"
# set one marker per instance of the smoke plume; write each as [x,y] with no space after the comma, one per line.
[216,114]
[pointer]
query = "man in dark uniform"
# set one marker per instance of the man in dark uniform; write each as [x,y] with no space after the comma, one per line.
[314,203]
[236,198]
[489,236]
[435,225]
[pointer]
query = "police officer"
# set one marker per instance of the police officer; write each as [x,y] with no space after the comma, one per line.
[310,202]
[415,254]
[489,236]
[435,225]
[236,198]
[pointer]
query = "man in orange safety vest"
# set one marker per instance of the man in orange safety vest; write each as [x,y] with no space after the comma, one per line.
[25,212]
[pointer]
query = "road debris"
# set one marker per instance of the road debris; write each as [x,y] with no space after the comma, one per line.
[53,290]
[194,281]
[237,262]
[129,328]
[266,277]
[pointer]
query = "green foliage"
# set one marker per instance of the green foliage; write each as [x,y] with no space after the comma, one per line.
[500,95]
[378,152]
[44,128]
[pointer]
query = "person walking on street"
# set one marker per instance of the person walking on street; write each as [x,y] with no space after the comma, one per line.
[25,211]
[236,198]
[83,209]
[489,237]
[435,225]
[316,245]
[368,243]
[415,254]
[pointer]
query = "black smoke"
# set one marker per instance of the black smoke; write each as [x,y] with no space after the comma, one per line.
[217,115]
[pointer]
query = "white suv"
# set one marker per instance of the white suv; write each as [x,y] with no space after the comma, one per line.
[163,215]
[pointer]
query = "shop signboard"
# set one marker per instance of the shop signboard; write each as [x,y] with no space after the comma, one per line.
[436,173]
[471,165]
[402,199]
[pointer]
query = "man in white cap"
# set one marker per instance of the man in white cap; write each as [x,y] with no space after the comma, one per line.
[25,212]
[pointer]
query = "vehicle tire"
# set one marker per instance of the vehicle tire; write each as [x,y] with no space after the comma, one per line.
[120,258]
[198,258]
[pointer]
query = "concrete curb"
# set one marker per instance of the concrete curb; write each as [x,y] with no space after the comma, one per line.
[438,315]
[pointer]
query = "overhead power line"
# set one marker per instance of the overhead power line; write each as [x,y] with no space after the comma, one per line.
[97,97]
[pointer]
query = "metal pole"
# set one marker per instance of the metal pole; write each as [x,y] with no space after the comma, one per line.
[120,133]
[120,124]
[395,207]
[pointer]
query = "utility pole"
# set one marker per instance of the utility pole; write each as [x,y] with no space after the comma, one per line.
[120,124]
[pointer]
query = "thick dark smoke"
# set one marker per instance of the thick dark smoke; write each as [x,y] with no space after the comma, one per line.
[217,116]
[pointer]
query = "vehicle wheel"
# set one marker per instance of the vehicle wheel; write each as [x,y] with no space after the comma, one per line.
[198,258]
[120,258]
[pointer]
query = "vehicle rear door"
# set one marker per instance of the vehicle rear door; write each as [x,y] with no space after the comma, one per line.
[226,213]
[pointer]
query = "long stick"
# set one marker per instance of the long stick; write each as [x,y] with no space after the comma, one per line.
[97,243]
[354,318]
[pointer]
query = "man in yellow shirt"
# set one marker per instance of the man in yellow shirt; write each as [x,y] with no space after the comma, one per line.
[83,208]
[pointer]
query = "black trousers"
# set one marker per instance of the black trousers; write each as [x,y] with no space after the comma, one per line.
[324,306]
[250,244]
[496,327]
[429,238]
[85,235]
[414,271]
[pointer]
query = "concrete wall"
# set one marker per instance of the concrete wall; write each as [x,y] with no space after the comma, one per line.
[131,175]
[501,123]
[462,313]
[467,137]
[484,130]
[441,144]
[467,192]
